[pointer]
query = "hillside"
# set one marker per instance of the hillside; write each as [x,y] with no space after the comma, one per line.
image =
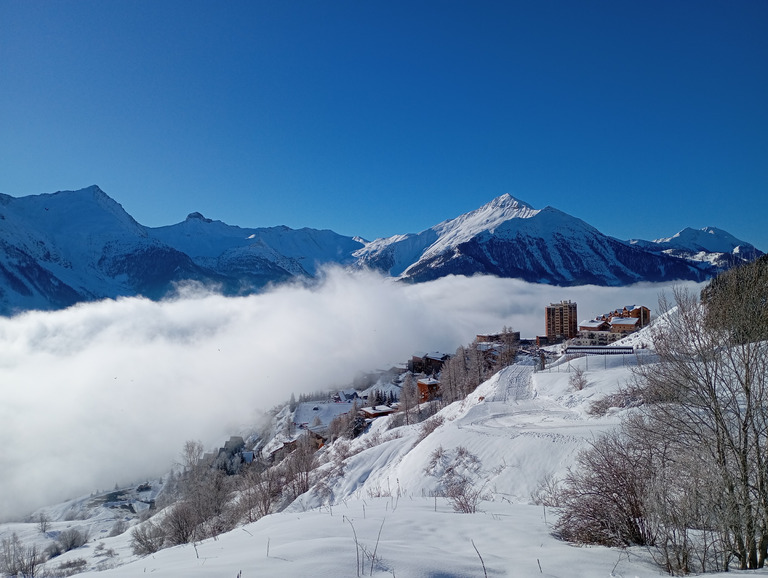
[509,435]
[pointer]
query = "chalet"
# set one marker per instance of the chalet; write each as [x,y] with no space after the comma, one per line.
[376,411]
[624,325]
[346,396]
[429,388]
[610,327]
[513,336]
[428,363]
[640,312]
[594,325]
[233,445]
[286,448]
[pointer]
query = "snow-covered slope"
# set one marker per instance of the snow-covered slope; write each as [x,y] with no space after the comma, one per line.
[708,245]
[62,248]
[227,248]
[506,437]
[72,246]
[509,238]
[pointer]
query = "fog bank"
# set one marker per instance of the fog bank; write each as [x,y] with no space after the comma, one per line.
[107,392]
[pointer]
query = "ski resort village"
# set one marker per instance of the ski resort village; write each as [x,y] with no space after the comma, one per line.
[511,456]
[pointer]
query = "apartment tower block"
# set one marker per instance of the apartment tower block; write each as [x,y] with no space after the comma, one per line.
[561,321]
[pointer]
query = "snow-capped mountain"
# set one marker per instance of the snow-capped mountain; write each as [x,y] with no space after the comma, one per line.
[509,238]
[66,247]
[71,246]
[233,250]
[708,245]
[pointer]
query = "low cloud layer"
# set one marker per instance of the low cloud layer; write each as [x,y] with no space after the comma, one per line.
[108,392]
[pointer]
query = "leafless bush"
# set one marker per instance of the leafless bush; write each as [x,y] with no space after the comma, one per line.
[436,455]
[43,522]
[102,550]
[16,559]
[180,523]
[71,567]
[72,538]
[547,492]
[73,514]
[578,379]
[147,538]
[603,500]
[463,495]
[52,551]
[430,425]
[371,440]
[118,528]
[258,492]
[298,466]
[396,420]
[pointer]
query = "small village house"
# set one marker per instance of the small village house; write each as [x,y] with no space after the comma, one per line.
[429,388]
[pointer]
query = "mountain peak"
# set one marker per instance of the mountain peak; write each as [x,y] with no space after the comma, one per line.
[198,217]
[709,239]
[507,201]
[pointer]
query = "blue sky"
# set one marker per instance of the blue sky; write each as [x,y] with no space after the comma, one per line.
[382,117]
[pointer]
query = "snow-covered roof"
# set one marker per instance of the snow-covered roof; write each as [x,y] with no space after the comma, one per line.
[378,410]
[592,323]
[624,321]
[437,355]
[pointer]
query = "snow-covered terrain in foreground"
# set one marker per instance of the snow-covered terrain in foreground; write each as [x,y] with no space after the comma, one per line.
[520,425]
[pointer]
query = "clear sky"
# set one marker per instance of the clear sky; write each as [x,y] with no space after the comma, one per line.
[374,118]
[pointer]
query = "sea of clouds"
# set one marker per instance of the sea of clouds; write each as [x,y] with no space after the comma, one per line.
[106,393]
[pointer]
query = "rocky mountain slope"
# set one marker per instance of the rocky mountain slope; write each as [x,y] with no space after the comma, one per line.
[63,248]
[509,238]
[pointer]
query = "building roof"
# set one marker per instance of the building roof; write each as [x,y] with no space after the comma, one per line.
[378,410]
[592,323]
[625,321]
[436,355]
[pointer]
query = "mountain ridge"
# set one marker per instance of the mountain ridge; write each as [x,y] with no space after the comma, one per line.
[70,246]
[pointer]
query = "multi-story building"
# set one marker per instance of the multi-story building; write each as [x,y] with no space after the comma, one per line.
[561,321]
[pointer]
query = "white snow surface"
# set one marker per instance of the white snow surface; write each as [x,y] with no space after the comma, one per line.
[299,251]
[520,426]
[707,244]
[406,250]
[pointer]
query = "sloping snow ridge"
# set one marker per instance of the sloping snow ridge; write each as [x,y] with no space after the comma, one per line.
[512,432]
[487,218]
[515,429]
[72,246]
[709,239]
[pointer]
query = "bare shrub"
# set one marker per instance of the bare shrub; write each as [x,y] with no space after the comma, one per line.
[463,495]
[430,425]
[43,522]
[52,551]
[118,528]
[16,559]
[603,500]
[72,567]
[72,538]
[180,523]
[258,492]
[396,420]
[578,379]
[298,466]
[371,440]
[147,538]
[547,492]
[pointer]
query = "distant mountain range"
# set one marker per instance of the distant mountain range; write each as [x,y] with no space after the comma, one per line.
[63,248]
